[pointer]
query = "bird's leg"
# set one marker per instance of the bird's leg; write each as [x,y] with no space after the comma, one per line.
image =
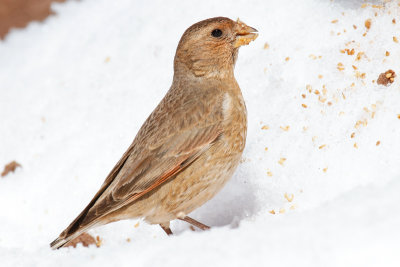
[195,223]
[165,227]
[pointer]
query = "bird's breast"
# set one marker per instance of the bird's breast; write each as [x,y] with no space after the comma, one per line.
[235,121]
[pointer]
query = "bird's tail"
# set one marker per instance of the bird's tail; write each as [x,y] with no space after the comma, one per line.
[59,242]
[65,238]
[77,227]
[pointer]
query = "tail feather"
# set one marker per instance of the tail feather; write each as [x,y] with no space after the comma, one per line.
[66,237]
[58,243]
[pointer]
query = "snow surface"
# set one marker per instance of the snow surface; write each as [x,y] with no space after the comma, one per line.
[75,89]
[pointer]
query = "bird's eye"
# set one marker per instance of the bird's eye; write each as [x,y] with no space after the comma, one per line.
[216,33]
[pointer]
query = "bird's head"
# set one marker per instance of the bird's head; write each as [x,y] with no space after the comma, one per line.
[209,48]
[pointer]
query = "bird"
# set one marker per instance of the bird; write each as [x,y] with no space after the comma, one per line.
[189,146]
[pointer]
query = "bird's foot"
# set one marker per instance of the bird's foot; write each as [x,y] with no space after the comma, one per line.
[195,223]
[165,227]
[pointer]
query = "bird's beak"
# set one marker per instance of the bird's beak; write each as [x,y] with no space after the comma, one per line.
[244,34]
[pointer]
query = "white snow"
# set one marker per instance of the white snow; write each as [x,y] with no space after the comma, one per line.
[75,89]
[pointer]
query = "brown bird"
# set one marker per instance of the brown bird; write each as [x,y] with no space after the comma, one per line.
[189,146]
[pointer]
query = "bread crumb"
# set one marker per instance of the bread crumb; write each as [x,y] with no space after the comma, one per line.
[325,169]
[387,53]
[282,161]
[136,225]
[10,167]
[84,238]
[395,39]
[352,135]
[367,24]
[359,55]
[355,145]
[98,241]
[282,210]
[289,197]
[304,105]
[265,127]
[285,128]
[334,21]
[272,211]
[386,78]
[266,46]
[322,146]
[269,173]
[287,58]
[378,143]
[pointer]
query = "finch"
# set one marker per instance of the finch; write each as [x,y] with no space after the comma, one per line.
[189,146]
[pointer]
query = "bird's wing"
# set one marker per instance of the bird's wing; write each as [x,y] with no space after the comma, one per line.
[156,156]
[156,167]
